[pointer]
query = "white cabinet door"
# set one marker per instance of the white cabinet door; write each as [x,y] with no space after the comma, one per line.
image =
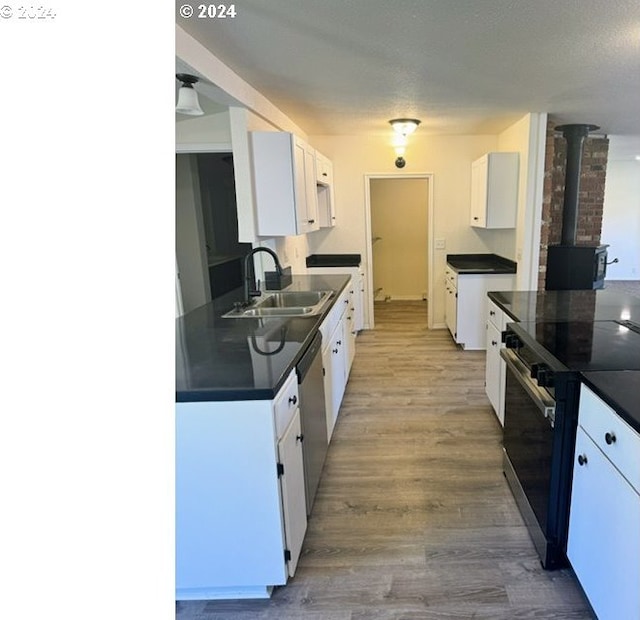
[493,385]
[451,309]
[338,369]
[604,536]
[358,301]
[305,187]
[327,368]
[495,369]
[294,506]
[285,184]
[479,192]
[325,192]
[494,191]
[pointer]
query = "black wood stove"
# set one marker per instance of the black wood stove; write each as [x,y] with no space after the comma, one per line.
[571,266]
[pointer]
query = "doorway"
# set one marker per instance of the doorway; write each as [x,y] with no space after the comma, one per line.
[399,229]
[208,253]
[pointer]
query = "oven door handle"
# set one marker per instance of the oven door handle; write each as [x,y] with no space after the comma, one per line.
[538,395]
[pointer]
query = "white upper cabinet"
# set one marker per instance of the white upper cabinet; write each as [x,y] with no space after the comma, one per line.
[324,182]
[285,184]
[324,169]
[494,191]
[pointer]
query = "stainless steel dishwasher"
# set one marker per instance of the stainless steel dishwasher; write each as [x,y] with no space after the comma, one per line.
[312,417]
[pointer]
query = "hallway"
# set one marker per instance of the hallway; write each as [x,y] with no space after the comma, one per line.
[413,517]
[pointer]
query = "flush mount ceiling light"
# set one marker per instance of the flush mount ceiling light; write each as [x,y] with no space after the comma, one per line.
[404,126]
[187,96]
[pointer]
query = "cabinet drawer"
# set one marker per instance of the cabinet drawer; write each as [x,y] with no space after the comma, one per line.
[495,315]
[619,442]
[339,307]
[285,404]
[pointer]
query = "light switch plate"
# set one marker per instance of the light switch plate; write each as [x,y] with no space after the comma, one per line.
[440,244]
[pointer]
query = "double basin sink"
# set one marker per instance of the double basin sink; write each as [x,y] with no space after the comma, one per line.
[283,304]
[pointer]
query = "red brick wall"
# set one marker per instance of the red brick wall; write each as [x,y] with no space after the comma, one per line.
[593,172]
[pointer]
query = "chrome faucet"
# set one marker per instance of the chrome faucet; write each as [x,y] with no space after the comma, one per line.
[250,288]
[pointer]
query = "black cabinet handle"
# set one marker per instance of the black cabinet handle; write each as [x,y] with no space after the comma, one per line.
[293,400]
[338,341]
[609,438]
[324,174]
[300,438]
[492,313]
[493,343]
[582,459]
[335,350]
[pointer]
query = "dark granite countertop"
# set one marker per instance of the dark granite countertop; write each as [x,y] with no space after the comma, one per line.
[480,263]
[220,359]
[334,260]
[619,389]
[556,306]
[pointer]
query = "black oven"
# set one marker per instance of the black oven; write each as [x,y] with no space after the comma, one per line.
[538,432]
[543,362]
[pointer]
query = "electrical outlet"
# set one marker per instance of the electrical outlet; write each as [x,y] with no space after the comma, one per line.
[440,244]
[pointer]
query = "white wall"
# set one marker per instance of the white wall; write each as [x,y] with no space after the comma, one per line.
[621,216]
[526,137]
[447,157]
[209,129]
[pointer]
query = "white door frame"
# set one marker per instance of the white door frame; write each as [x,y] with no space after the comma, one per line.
[369,242]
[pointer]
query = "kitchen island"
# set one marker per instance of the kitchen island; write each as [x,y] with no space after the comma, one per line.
[572,431]
[588,305]
[241,510]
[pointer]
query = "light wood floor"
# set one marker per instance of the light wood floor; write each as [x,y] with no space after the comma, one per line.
[413,517]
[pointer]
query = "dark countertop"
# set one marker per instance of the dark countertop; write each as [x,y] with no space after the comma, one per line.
[620,390]
[334,260]
[480,263]
[220,359]
[557,306]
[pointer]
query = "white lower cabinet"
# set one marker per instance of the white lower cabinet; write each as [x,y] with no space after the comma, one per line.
[495,368]
[240,499]
[604,532]
[338,349]
[357,287]
[465,301]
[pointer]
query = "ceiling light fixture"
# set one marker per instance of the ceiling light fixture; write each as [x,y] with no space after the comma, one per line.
[403,127]
[187,96]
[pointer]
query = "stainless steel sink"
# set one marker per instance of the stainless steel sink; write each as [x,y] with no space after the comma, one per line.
[293,299]
[285,304]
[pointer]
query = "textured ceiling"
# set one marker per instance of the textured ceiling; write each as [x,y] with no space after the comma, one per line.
[461,66]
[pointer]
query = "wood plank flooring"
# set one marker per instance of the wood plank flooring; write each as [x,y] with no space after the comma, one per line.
[413,518]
